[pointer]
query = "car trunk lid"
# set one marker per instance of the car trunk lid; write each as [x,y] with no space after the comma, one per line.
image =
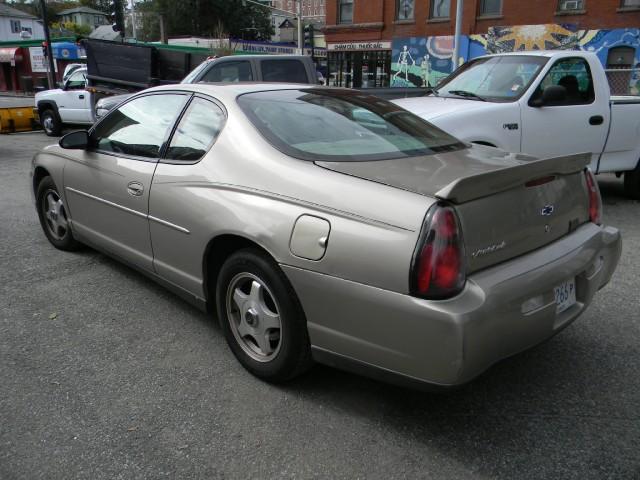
[508,204]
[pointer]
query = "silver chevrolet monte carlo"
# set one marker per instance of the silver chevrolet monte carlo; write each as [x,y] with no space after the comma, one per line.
[329,225]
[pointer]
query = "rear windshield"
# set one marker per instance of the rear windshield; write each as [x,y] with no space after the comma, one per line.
[318,124]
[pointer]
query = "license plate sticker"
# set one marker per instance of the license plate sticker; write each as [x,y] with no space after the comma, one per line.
[565,295]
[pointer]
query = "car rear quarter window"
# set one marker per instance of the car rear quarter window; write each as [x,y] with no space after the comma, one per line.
[229,72]
[196,132]
[139,127]
[321,124]
[288,71]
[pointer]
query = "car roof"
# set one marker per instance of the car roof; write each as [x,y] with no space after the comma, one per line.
[542,53]
[229,91]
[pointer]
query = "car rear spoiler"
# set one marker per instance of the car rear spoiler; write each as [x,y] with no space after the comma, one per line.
[489,183]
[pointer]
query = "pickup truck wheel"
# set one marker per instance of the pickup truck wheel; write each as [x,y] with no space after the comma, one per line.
[261,317]
[632,183]
[51,123]
[53,216]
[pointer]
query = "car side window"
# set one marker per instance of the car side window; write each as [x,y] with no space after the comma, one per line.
[229,72]
[289,71]
[198,129]
[139,127]
[574,75]
[77,80]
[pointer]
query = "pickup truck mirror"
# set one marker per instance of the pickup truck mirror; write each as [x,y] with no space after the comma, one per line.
[78,140]
[551,95]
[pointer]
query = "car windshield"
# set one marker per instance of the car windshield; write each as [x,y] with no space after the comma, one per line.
[195,72]
[498,79]
[319,124]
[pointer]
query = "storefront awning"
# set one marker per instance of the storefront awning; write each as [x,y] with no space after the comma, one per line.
[9,54]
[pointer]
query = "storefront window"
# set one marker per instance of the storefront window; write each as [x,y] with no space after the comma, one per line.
[365,69]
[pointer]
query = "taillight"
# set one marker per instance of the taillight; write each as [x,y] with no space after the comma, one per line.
[438,268]
[595,200]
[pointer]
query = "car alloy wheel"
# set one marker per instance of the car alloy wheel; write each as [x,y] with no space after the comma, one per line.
[254,317]
[55,215]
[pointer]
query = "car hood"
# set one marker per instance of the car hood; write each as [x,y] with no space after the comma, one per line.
[433,107]
[48,94]
[430,174]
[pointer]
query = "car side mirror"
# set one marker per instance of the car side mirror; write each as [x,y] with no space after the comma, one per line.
[78,140]
[551,95]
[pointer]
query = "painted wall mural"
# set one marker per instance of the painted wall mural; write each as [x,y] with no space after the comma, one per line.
[422,61]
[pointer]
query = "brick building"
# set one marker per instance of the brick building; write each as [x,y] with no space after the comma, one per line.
[410,42]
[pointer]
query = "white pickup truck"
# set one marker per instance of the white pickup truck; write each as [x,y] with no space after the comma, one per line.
[543,103]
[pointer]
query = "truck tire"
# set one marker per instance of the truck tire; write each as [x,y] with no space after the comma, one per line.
[632,183]
[50,123]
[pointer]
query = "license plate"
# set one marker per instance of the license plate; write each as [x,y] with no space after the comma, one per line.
[565,294]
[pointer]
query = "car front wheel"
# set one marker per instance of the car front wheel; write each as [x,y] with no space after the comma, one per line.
[51,123]
[53,216]
[261,317]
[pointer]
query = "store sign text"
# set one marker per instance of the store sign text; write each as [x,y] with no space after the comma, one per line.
[359,46]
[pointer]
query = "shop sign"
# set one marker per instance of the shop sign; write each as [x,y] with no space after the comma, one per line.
[39,62]
[358,46]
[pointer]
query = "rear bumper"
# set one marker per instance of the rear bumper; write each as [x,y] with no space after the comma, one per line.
[502,311]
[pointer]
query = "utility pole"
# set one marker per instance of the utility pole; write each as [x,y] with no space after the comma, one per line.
[458,34]
[300,27]
[51,74]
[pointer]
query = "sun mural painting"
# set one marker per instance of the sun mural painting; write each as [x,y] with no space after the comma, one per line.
[531,37]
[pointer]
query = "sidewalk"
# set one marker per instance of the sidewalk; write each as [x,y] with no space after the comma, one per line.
[16,94]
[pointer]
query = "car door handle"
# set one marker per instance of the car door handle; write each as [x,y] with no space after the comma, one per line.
[596,120]
[135,189]
[81,97]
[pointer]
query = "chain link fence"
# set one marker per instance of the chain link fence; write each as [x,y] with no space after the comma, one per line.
[624,81]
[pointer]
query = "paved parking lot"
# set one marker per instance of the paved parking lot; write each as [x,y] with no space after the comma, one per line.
[104,374]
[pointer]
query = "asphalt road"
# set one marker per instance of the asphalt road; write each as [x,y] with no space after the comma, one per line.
[104,374]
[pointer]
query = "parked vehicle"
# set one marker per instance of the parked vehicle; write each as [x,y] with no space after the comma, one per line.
[69,105]
[330,225]
[120,70]
[540,103]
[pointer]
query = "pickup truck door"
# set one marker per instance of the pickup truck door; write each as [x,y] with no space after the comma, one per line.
[577,124]
[107,186]
[74,103]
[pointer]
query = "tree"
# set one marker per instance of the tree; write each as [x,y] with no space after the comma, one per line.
[201,17]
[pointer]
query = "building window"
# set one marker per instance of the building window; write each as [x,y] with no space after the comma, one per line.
[404,9]
[490,7]
[570,5]
[15,26]
[345,11]
[630,3]
[440,8]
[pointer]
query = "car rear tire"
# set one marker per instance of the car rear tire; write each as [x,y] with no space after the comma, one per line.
[632,183]
[261,317]
[51,123]
[53,216]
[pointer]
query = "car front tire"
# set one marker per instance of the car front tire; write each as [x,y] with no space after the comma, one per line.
[53,216]
[261,317]
[51,123]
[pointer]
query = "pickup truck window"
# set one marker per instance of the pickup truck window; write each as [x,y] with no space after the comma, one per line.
[77,80]
[574,75]
[289,71]
[139,127]
[196,132]
[337,125]
[499,79]
[229,72]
